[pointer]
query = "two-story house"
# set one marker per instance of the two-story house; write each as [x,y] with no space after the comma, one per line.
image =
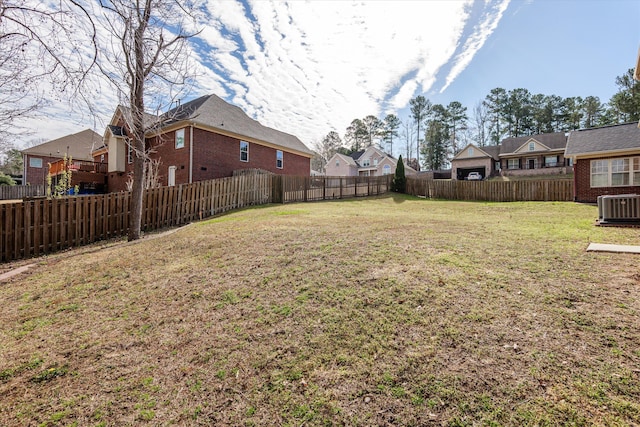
[369,162]
[206,138]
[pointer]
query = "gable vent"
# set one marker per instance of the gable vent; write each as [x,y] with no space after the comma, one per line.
[619,209]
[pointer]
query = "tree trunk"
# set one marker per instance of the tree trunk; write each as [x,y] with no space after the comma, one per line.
[138,130]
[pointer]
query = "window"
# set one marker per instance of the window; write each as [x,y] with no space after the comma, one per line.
[550,161]
[365,163]
[619,172]
[179,138]
[599,173]
[470,151]
[513,164]
[129,153]
[498,166]
[615,172]
[35,162]
[386,170]
[532,146]
[244,151]
[375,162]
[101,158]
[279,159]
[337,163]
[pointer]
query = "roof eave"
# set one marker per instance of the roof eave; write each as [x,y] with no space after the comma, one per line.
[608,153]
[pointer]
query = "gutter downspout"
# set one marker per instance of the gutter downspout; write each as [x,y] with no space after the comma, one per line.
[191,154]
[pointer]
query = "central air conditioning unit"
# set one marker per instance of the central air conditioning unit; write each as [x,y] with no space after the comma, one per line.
[623,208]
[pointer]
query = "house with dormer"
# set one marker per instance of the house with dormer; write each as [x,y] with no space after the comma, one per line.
[541,154]
[369,162]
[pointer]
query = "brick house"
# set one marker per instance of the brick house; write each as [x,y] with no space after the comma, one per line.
[606,161]
[204,139]
[541,154]
[472,158]
[369,162]
[36,159]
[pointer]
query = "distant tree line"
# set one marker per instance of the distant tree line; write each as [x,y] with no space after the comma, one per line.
[434,133]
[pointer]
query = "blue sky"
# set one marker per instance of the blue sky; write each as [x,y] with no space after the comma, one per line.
[308,68]
[561,47]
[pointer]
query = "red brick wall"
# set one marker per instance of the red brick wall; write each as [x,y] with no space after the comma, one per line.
[165,150]
[217,156]
[214,156]
[38,176]
[582,184]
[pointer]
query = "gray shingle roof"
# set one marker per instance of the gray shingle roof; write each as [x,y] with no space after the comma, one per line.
[78,146]
[213,111]
[492,150]
[555,141]
[623,137]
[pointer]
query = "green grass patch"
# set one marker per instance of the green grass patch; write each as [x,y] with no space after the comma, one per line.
[385,311]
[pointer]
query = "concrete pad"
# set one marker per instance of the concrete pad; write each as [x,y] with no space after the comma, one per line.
[603,247]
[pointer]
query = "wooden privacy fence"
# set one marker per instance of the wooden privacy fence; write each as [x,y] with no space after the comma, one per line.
[11,192]
[311,188]
[495,191]
[41,226]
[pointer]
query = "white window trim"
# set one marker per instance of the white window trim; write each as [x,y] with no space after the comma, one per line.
[244,151]
[32,160]
[179,137]
[279,158]
[609,172]
[517,165]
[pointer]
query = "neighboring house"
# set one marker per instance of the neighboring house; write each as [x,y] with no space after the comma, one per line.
[484,160]
[369,162]
[37,159]
[541,154]
[606,161]
[526,155]
[204,139]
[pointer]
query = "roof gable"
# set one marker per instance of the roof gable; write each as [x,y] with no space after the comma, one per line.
[543,141]
[78,146]
[342,157]
[622,138]
[211,111]
[472,151]
[532,145]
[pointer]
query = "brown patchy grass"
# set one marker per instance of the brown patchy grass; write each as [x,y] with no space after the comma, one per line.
[386,311]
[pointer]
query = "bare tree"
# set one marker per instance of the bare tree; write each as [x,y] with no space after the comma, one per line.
[481,121]
[328,147]
[43,42]
[145,59]
[408,132]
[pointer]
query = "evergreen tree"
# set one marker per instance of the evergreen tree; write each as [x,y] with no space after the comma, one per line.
[356,135]
[435,148]
[373,127]
[420,107]
[390,126]
[399,183]
[626,102]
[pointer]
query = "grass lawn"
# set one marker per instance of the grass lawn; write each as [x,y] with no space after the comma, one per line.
[385,311]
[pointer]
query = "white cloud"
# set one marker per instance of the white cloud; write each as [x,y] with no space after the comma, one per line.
[480,35]
[311,67]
